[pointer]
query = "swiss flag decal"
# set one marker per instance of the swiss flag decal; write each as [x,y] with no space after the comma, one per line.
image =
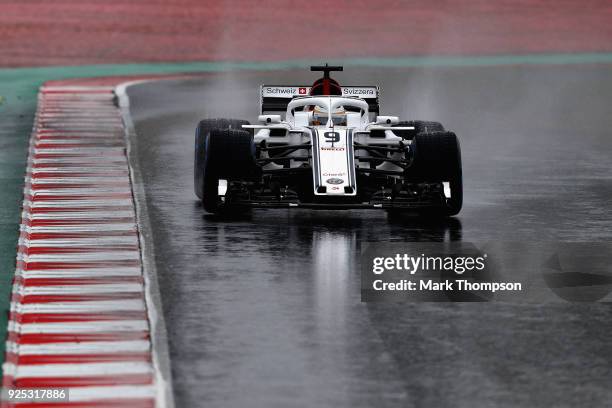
[302,91]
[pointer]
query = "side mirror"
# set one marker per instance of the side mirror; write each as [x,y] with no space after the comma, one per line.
[387,120]
[268,119]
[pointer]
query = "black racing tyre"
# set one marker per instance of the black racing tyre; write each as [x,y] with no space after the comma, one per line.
[437,158]
[225,154]
[203,129]
[420,126]
[231,153]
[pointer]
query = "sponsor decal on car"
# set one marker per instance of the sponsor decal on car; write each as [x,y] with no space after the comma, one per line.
[359,91]
[286,91]
[289,91]
[334,180]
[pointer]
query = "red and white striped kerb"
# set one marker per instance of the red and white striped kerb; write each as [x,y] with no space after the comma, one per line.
[78,310]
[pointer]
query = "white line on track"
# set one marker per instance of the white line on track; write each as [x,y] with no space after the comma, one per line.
[82,151]
[81,242]
[80,159]
[80,215]
[79,327]
[39,198]
[70,370]
[81,273]
[74,171]
[79,289]
[102,227]
[81,307]
[106,347]
[84,257]
[58,204]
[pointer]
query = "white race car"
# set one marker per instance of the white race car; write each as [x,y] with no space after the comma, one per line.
[330,150]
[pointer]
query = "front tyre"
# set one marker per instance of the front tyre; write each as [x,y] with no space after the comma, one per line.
[227,154]
[437,158]
[202,131]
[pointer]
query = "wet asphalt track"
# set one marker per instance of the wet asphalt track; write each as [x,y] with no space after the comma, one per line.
[265,311]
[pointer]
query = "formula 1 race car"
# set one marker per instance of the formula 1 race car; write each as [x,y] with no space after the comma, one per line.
[331,150]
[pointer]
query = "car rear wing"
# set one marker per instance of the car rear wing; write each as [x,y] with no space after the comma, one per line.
[275,98]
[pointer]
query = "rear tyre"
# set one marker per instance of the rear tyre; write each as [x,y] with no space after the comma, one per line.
[203,129]
[437,158]
[227,154]
[420,126]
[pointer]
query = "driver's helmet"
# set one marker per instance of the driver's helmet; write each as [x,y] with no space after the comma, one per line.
[320,114]
[326,86]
